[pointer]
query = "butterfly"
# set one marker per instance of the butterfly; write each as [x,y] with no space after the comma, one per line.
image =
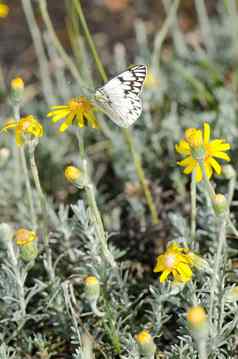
[120,97]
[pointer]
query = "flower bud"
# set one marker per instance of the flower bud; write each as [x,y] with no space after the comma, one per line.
[146,344]
[4,10]
[197,320]
[72,173]
[91,288]
[27,243]
[17,90]
[228,172]
[92,293]
[219,204]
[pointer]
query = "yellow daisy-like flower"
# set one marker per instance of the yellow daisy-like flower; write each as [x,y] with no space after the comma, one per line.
[77,109]
[4,10]
[26,126]
[175,261]
[198,147]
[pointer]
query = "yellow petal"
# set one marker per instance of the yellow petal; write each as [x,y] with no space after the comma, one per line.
[198,173]
[19,139]
[215,165]
[218,145]
[57,115]
[184,270]
[91,119]
[8,125]
[187,162]
[80,119]
[206,129]
[67,122]
[183,148]
[208,169]
[189,169]
[222,155]
[58,107]
[164,275]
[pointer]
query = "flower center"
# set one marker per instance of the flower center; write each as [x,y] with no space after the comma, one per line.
[79,105]
[170,260]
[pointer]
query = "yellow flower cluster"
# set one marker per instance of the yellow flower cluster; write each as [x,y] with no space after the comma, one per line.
[197,147]
[178,262]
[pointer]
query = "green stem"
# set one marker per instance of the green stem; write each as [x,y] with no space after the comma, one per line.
[207,182]
[193,191]
[218,258]
[141,175]
[67,60]
[43,206]
[28,188]
[127,135]
[91,199]
[40,51]
[102,72]
[25,173]
[202,349]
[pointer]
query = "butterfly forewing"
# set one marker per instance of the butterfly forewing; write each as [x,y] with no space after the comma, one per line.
[121,96]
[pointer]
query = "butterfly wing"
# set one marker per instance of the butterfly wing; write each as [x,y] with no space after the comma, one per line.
[121,96]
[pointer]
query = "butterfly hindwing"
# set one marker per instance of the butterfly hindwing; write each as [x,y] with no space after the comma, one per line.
[121,96]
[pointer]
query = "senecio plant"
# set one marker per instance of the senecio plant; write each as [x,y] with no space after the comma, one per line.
[69,286]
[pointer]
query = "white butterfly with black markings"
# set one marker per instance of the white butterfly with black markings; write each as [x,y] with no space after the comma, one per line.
[120,97]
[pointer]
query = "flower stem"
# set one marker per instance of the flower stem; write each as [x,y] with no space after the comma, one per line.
[67,60]
[127,135]
[90,193]
[207,182]
[25,173]
[17,273]
[221,242]
[43,206]
[40,51]
[202,349]
[193,191]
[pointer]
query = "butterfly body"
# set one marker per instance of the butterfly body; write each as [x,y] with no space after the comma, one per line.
[120,97]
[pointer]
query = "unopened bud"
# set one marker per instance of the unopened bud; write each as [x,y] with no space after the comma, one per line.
[4,10]
[72,173]
[27,242]
[146,344]
[219,204]
[197,320]
[17,90]
[92,288]
[92,293]
[228,172]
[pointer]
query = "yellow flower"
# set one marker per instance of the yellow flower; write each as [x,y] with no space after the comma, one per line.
[198,147]
[72,173]
[4,10]
[17,83]
[24,236]
[76,109]
[174,261]
[25,126]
